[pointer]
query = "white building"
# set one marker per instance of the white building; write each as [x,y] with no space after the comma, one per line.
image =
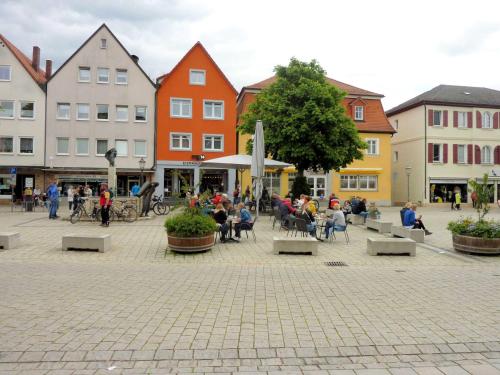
[445,137]
[22,118]
[98,99]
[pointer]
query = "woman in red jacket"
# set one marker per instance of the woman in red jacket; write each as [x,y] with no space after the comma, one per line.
[105,203]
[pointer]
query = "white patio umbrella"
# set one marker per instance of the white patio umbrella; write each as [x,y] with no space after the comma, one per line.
[257,169]
[241,162]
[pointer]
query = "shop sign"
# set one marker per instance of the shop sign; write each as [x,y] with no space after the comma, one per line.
[193,163]
[28,182]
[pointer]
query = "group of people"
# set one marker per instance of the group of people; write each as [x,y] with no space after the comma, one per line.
[75,194]
[241,220]
[410,220]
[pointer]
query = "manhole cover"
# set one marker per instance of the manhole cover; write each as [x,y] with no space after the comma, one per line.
[336,264]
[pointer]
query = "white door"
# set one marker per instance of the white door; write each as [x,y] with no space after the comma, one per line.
[317,184]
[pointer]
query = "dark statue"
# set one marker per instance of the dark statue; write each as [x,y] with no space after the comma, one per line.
[111,156]
[146,192]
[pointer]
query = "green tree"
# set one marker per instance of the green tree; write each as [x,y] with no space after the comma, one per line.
[305,123]
[484,192]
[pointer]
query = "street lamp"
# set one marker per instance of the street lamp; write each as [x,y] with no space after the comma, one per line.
[408,173]
[142,164]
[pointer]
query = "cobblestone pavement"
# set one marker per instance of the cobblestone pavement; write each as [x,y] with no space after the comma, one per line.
[238,308]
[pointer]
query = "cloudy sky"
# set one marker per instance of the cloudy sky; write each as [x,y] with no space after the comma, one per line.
[397,48]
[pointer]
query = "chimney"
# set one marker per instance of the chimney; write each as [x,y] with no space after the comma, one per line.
[35,62]
[48,68]
[135,58]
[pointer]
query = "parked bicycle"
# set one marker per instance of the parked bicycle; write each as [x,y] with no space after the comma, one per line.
[122,211]
[160,206]
[81,210]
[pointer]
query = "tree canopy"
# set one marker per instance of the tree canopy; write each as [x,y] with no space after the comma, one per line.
[305,123]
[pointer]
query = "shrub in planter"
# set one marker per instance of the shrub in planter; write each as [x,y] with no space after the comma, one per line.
[480,229]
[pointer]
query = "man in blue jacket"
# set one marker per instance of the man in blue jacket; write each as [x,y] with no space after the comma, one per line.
[410,220]
[53,196]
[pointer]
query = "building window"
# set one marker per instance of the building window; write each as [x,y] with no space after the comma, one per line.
[462,119]
[358,113]
[82,146]
[367,182]
[486,155]
[103,43]
[6,109]
[373,148]
[82,111]
[102,75]
[487,120]
[6,145]
[121,77]
[437,153]
[180,141]
[63,111]
[27,110]
[101,147]
[139,148]
[348,182]
[291,180]
[213,110]
[272,182]
[196,77]
[180,108]
[213,143]
[122,113]
[62,146]
[121,146]
[462,154]
[5,73]
[84,74]
[395,156]
[26,145]
[141,113]
[437,118]
[362,182]
[397,124]
[103,112]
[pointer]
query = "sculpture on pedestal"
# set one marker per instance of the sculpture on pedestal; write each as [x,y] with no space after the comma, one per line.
[110,156]
[146,192]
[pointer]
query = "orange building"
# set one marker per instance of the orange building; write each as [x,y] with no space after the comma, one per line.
[196,121]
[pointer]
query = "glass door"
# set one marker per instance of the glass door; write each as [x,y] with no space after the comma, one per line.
[317,184]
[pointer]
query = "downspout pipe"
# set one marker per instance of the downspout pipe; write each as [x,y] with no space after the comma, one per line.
[425,152]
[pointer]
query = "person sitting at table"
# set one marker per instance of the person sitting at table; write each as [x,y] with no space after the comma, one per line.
[220,217]
[346,208]
[360,209]
[337,222]
[307,213]
[332,201]
[244,221]
[217,199]
[300,201]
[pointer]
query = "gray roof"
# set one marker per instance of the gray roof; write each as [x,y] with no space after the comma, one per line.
[465,96]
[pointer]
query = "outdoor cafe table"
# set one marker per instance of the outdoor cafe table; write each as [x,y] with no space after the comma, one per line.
[230,222]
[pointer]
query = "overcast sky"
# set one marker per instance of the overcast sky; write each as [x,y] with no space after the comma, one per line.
[396,48]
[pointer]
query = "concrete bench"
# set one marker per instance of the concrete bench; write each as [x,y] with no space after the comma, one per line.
[379,225]
[9,240]
[297,245]
[355,219]
[416,235]
[101,243]
[376,246]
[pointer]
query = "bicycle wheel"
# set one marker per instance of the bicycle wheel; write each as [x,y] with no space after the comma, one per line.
[159,208]
[129,214]
[112,215]
[75,216]
[167,209]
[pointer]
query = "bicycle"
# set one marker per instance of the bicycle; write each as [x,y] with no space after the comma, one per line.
[125,211]
[160,207]
[82,210]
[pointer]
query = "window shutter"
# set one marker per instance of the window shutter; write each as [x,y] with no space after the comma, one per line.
[469,119]
[430,148]
[477,156]
[469,154]
[445,118]
[496,155]
[495,120]
[455,119]
[455,154]
[479,123]
[445,153]
[431,117]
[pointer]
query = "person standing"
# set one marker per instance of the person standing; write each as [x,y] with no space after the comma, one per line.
[53,196]
[71,195]
[458,200]
[135,189]
[105,203]
[473,197]
[452,200]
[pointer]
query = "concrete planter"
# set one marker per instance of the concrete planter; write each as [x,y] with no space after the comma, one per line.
[190,244]
[476,245]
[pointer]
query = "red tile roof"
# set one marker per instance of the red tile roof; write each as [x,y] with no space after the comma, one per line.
[349,89]
[37,75]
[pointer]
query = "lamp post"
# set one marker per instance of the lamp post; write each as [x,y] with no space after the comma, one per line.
[408,173]
[142,164]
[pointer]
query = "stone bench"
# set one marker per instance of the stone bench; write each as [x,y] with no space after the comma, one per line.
[416,235]
[376,246]
[101,243]
[355,219]
[9,240]
[379,225]
[297,245]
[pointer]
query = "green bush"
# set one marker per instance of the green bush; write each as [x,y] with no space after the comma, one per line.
[190,223]
[469,227]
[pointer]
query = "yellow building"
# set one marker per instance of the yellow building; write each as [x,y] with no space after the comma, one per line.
[369,178]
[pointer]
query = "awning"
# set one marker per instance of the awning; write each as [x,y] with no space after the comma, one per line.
[361,170]
[445,180]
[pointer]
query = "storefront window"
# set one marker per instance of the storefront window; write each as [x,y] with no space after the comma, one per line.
[5,184]
[442,192]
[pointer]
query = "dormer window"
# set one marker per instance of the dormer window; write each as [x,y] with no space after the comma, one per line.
[359,113]
[104,43]
[197,77]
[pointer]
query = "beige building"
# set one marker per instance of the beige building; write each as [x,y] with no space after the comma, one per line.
[445,137]
[22,118]
[98,99]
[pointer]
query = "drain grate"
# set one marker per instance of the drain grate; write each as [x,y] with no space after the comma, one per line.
[336,264]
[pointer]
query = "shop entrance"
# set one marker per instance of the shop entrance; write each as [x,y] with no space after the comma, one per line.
[213,180]
[176,181]
[442,192]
